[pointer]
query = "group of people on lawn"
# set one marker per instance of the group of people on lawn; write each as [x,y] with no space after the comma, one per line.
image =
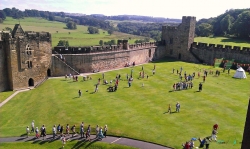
[203,142]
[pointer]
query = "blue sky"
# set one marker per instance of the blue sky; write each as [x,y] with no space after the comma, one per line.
[155,8]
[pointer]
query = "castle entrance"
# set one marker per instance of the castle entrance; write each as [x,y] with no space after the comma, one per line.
[179,57]
[31,82]
[49,73]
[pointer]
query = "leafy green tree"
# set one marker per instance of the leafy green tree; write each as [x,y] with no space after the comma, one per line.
[71,25]
[204,29]
[241,25]
[226,24]
[63,43]
[51,17]
[113,42]
[101,42]
[8,12]
[93,30]
[2,14]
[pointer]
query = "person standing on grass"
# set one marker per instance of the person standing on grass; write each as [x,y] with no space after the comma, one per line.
[173,70]
[33,126]
[105,130]
[58,128]
[82,131]
[96,88]
[27,131]
[200,87]
[228,71]
[100,134]
[88,133]
[178,106]
[80,93]
[204,78]
[169,109]
[54,131]
[103,75]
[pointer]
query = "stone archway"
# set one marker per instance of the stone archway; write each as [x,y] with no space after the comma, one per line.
[31,82]
[179,56]
[49,73]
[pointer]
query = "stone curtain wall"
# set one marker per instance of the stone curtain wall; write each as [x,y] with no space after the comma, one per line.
[208,52]
[3,69]
[93,62]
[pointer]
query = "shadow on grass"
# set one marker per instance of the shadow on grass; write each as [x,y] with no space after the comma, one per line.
[32,139]
[91,143]
[42,142]
[196,91]
[126,87]
[76,97]
[72,82]
[234,40]
[23,135]
[64,80]
[92,92]
[37,141]
[79,144]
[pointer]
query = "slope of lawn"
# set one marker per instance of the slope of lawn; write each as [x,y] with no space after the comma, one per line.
[224,41]
[4,95]
[138,112]
[58,30]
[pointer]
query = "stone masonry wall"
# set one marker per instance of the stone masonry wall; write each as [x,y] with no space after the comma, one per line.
[3,69]
[209,52]
[84,63]
[246,135]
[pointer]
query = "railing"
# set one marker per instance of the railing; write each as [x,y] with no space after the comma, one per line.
[67,65]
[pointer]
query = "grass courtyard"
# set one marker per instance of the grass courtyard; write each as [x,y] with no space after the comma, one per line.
[137,112]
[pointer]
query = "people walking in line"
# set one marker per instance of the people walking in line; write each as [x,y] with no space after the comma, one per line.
[100,134]
[63,139]
[200,87]
[43,132]
[73,129]
[67,129]
[37,132]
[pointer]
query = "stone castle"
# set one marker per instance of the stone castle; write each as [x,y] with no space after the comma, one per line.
[27,58]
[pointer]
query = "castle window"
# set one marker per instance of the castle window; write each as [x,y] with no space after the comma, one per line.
[28,50]
[171,41]
[29,63]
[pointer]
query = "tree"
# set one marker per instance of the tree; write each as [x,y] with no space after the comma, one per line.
[93,30]
[226,24]
[110,31]
[101,42]
[8,29]
[2,14]
[204,29]
[241,25]
[71,25]
[51,17]
[63,43]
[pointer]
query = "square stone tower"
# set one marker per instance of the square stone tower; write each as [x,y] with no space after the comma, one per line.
[27,57]
[178,39]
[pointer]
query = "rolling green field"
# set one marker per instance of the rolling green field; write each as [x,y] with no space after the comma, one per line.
[224,41]
[78,37]
[138,112]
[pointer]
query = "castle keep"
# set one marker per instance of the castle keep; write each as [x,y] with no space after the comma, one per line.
[24,58]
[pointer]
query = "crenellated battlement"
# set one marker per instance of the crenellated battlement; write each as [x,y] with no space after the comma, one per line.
[227,48]
[121,45]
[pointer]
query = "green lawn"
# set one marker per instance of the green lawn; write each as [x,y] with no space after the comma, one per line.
[78,37]
[58,144]
[4,95]
[137,112]
[223,41]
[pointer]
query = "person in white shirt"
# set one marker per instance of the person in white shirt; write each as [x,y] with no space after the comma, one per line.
[63,139]
[27,131]
[54,131]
